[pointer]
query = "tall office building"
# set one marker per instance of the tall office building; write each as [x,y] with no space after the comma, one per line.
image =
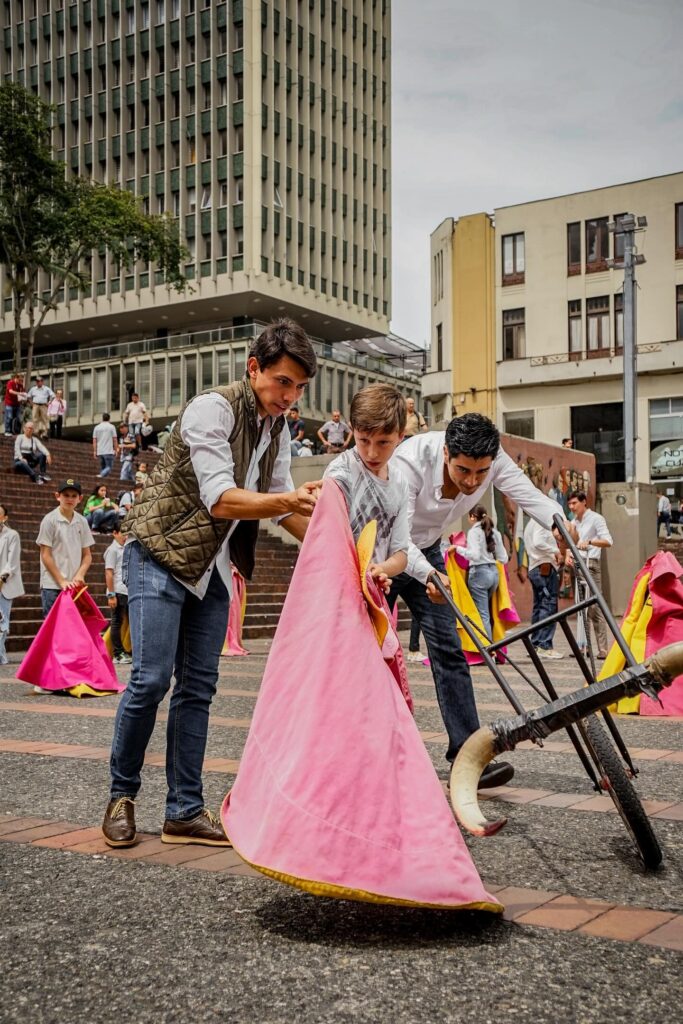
[262,126]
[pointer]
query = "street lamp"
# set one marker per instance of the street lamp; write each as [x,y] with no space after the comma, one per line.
[628,225]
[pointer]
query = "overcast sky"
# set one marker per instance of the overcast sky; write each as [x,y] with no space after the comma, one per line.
[498,102]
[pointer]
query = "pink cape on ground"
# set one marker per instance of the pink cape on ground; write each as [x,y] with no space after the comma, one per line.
[336,793]
[68,650]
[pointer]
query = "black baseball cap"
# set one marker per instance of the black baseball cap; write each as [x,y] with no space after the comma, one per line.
[70,485]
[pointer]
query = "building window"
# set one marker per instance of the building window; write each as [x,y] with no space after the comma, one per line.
[521,424]
[513,258]
[439,346]
[679,231]
[573,248]
[597,245]
[597,326]
[575,329]
[679,312]
[618,237]
[514,335]
[666,439]
[619,323]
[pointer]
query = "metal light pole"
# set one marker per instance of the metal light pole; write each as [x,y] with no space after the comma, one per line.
[628,226]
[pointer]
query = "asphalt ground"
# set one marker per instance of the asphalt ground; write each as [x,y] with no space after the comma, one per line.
[87,937]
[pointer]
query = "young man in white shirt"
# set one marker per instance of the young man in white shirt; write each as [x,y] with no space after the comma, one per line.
[590,532]
[447,475]
[105,445]
[543,557]
[226,465]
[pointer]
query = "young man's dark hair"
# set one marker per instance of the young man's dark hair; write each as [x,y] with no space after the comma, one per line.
[284,338]
[473,436]
[579,495]
[105,417]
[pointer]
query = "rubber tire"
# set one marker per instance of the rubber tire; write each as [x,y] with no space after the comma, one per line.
[625,798]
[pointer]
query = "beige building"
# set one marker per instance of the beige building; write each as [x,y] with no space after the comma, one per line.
[263,127]
[559,324]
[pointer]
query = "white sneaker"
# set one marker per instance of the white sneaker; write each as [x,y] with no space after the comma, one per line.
[415,656]
[41,689]
[551,655]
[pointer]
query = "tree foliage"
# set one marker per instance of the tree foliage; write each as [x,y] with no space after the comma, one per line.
[52,223]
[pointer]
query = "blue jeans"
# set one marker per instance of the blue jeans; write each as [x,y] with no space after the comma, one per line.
[106,464]
[172,631]
[11,414]
[482,583]
[28,464]
[5,611]
[47,599]
[545,603]
[448,664]
[103,519]
[128,471]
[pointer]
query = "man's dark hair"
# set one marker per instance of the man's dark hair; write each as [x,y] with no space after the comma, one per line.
[134,395]
[4,508]
[294,408]
[579,495]
[565,439]
[105,417]
[284,338]
[473,436]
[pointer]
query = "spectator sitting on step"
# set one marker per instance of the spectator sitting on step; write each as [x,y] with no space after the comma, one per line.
[11,584]
[40,396]
[29,454]
[56,411]
[65,540]
[117,594]
[105,445]
[128,498]
[306,450]
[127,450]
[101,513]
[141,474]
[296,429]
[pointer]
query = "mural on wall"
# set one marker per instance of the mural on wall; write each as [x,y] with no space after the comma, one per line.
[555,471]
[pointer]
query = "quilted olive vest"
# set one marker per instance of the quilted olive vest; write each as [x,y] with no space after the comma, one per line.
[170,519]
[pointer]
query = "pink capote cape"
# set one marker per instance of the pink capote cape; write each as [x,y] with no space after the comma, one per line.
[336,793]
[654,618]
[68,652]
[238,605]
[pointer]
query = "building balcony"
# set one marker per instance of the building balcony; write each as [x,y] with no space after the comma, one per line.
[581,367]
[436,384]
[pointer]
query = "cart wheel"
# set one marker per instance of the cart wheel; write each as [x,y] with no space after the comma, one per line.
[616,782]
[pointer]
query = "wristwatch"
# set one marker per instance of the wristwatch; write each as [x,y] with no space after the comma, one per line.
[111,593]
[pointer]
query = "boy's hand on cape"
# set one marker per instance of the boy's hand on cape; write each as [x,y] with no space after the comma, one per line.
[380,577]
[304,498]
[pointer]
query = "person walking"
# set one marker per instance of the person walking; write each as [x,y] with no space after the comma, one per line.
[117,594]
[11,584]
[56,411]
[226,465]
[40,396]
[447,474]
[105,445]
[30,455]
[134,415]
[415,423]
[663,514]
[483,549]
[127,448]
[590,533]
[544,561]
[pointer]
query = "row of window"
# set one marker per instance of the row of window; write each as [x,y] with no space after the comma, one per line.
[596,235]
[598,336]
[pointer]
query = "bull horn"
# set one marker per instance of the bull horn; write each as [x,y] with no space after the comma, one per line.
[666,663]
[477,751]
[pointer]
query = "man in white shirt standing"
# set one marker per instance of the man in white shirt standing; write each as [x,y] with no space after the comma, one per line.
[105,445]
[663,514]
[543,556]
[40,397]
[591,535]
[335,434]
[134,414]
[447,475]
[226,466]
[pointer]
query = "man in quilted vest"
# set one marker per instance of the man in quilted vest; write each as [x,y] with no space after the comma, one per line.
[226,466]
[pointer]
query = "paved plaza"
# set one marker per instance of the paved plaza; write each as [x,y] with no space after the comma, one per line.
[174,934]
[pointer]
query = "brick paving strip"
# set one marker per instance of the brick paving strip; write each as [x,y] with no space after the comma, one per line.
[667,811]
[537,907]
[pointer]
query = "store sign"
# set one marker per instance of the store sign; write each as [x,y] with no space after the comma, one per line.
[666,460]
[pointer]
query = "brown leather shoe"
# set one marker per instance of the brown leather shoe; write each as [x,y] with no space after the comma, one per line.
[118,827]
[203,830]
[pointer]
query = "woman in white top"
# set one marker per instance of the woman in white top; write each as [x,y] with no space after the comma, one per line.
[11,584]
[483,549]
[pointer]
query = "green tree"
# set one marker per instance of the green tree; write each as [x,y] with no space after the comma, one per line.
[52,223]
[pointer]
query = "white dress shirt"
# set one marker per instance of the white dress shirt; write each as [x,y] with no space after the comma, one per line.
[206,426]
[593,527]
[421,461]
[540,545]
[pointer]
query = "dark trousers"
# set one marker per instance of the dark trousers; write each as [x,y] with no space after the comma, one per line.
[448,664]
[56,427]
[665,519]
[545,590]
[117,616]
[28,465]
[414,642]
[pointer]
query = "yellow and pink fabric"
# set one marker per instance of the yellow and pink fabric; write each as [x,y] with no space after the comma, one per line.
[336,793]
[232,648]
[503,611]
[68,654]
[653,618]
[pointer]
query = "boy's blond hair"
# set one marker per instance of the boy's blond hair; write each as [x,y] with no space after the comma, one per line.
[379,408]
